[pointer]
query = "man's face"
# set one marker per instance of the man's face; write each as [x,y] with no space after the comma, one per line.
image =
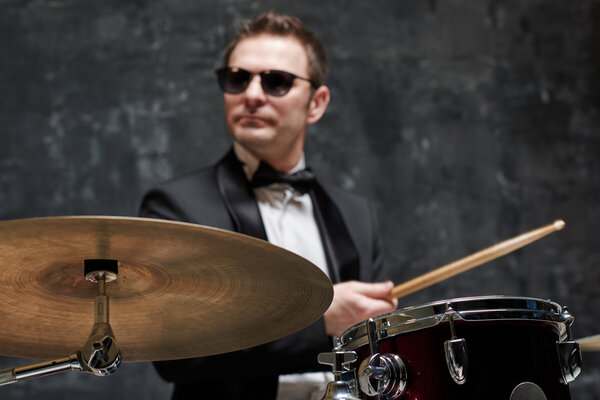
[266,125]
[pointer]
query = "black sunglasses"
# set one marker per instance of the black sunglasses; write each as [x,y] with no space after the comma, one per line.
[235,80]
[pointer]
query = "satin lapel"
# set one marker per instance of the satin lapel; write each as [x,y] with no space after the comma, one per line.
[342,255]
[238,197]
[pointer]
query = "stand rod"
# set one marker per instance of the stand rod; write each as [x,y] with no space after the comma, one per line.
[40,369]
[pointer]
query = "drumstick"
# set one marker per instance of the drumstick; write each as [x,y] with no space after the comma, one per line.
[590,343]
[473,260]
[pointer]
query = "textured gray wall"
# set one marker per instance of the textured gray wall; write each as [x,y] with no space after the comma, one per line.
[467,122]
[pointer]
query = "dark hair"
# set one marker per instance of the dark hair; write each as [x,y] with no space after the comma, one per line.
[273,23]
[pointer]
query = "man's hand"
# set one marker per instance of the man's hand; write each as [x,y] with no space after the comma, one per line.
[354,302]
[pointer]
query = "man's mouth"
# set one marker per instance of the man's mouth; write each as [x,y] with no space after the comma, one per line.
[252,120]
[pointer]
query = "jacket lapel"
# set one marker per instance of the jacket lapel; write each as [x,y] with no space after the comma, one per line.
[238,197]
[342,255]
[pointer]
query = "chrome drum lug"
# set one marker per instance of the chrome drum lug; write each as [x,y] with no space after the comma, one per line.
[569,355]
[455,351]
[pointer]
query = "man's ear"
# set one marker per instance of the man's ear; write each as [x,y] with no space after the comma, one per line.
[318,104]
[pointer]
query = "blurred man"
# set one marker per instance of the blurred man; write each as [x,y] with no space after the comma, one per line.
[273,82]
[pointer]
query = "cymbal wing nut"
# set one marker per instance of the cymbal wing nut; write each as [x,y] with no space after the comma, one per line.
[101,354]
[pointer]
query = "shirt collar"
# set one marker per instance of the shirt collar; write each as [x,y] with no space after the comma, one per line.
[251,163]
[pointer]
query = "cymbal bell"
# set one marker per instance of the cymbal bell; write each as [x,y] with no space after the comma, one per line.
[182,290]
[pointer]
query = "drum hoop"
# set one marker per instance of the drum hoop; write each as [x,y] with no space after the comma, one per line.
[475,308]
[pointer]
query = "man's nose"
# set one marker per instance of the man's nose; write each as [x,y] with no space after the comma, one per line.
[254,91]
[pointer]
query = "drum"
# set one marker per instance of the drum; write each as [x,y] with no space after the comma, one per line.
[492,347]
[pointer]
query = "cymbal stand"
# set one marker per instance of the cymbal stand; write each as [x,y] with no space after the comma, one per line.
[100,354]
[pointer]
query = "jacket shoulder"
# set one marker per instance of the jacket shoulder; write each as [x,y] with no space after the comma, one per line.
[192,197]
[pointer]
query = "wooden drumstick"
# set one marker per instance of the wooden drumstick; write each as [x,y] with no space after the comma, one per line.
[590,343]
[473,260]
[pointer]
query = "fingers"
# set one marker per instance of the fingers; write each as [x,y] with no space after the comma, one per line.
[375,290]
[373,306]
[354,302]
[378,291]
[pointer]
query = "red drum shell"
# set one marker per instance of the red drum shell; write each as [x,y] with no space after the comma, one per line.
[503,351]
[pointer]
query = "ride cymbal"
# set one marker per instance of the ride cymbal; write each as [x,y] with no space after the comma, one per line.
[182,290]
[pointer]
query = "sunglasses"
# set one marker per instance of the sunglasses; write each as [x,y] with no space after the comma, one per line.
[235,80]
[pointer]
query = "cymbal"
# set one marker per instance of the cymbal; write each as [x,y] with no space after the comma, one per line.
[182,290]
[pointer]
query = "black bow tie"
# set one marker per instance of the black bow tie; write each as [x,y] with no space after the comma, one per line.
[302,180]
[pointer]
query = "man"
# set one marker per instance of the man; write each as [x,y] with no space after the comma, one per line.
[273,83]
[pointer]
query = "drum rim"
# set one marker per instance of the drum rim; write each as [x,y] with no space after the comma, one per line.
[430,314]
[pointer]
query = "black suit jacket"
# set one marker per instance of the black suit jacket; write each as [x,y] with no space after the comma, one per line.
[220,196]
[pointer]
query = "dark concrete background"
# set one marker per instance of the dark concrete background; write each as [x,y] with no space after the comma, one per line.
[467,122]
